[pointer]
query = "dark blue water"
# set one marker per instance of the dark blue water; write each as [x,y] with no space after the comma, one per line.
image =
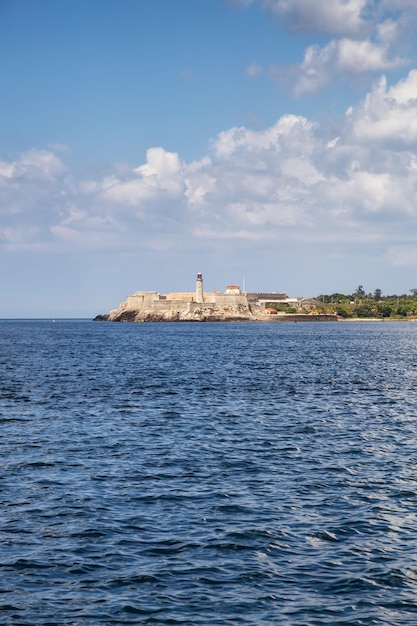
[208,473]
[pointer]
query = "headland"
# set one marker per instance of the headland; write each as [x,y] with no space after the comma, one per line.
[232,305]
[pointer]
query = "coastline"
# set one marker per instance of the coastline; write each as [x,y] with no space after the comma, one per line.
[235,305]
[377,319]
[136,317]
[262,319]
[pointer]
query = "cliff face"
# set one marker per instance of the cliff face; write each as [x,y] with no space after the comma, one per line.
[192,313]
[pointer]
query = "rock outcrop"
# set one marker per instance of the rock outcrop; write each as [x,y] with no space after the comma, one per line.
[193,313]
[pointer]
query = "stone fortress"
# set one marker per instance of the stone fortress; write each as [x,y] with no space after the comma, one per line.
[231,305]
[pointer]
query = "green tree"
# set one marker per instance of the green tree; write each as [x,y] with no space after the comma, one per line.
[343,311]
[383,310]
[363,310]
[340,298]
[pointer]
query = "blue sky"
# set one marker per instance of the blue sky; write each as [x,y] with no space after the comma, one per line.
[143,141]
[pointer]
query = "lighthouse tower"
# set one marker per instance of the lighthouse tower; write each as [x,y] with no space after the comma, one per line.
[199,297]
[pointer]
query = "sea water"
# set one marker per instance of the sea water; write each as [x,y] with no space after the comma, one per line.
[209,474]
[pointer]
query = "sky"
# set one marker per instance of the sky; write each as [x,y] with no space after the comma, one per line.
[266,143]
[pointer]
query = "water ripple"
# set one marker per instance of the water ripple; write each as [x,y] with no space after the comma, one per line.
[208,474]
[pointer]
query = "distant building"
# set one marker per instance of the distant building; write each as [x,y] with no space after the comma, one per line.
[233,289]
[270,296]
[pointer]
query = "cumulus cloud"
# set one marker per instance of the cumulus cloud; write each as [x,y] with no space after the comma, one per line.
[35,164]
[159,179]
[235,140]
[334,17]
[364,36]
[343,56]
[388,114]
[288,183]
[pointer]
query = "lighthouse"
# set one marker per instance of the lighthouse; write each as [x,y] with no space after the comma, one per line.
[199,297]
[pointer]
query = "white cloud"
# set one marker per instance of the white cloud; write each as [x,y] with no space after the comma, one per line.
[159,163]
[363,194]
[161,174]
[343,56]
[387,31]
[290,183]
[199,181]
[388,115]
[364,36]
[363,56]
[234,140]
[35,164]
[7,170]
[334,17]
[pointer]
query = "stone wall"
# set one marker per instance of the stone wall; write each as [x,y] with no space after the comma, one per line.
[231,300]
[139,300]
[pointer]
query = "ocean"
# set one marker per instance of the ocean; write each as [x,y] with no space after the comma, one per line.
[208,474]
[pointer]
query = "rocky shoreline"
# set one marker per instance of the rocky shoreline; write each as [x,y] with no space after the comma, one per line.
[148,316]
[194,314]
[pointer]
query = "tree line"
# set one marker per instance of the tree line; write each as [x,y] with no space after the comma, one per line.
[362,304]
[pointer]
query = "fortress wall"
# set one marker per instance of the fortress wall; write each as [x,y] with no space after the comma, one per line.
[189,296]
[162,306]
[231,300]
[180,302]
[181,295]
[183,306]
[141,300]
